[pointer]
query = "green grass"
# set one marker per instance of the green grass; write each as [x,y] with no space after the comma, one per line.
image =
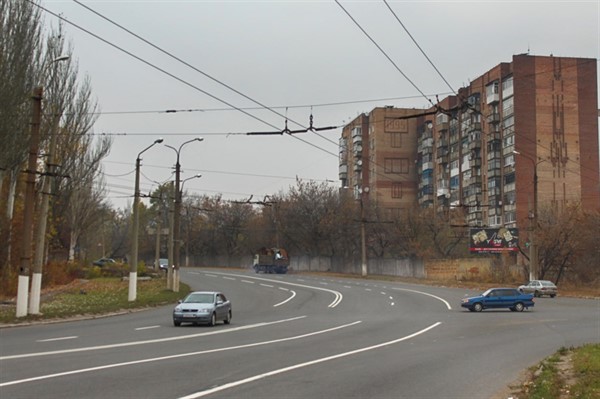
[548,382]
[586,363]
[98,296]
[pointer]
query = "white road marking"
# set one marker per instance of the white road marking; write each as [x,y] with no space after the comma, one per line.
[338,295]
[155,359]
[247,281]
[347,286]
[266,285]
[229,278]
[150,341]
[287,300]
[210,275]
[426,293]
[306,364]
[146,328]
[57,339]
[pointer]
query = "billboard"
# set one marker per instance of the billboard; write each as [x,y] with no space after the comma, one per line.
[493,240]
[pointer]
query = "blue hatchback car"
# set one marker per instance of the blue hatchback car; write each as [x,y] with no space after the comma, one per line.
[495,298]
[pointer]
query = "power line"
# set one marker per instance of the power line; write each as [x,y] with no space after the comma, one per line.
[384,53]
[209,77]
[419,47]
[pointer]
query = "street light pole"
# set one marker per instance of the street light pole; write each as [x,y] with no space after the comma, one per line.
[176,216]
[187,235]
[135,229]
[533,249]
[40,233]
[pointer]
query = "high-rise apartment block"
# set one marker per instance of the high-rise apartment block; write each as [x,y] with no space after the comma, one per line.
[524,133]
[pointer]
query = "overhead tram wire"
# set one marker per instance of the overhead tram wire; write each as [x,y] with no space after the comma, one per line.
[385,54]
[419,47]
[168,73]
[201,72]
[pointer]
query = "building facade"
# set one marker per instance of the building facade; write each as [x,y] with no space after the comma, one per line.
[522,136]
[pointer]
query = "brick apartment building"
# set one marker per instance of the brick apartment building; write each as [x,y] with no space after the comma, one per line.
[480,151]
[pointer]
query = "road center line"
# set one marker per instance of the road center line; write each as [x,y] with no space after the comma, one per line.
[150,341]
[156,359]
[146,328]
[306,364]
[57,339]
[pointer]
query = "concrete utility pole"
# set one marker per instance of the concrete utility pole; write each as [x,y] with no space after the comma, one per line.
[533,247]
[133,262]
[176,216]
[25,261]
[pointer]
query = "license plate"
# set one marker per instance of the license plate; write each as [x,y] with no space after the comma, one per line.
[189,315]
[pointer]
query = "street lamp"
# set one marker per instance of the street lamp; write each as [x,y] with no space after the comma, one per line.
[187,230]
[25,261]
[176,215]
[533,251]
[40,232]
[135,230]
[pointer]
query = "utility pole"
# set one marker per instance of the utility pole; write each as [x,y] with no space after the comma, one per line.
[171,211]
[133,262]
[25,261]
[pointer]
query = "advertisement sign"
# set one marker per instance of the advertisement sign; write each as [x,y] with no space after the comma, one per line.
[493,240]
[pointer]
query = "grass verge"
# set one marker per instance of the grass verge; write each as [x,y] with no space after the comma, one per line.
[95,297]
[569,373]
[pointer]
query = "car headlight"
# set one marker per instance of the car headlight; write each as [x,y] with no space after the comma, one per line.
[177,309]
[465,300]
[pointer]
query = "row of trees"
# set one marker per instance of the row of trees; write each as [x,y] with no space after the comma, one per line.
[319,220]
[69,195]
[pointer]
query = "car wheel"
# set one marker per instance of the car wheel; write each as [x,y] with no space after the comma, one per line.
[477,307]
[519,307]
[176,323]
[213,319]
[228,318]
[537,294]
[552,295]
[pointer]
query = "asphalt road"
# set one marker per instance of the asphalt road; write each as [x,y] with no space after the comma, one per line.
[296,336]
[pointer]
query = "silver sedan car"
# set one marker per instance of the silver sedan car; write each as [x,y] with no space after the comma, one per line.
[539,288]
[203,307]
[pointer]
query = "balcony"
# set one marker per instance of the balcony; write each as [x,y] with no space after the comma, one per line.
[494,117]
[492,98]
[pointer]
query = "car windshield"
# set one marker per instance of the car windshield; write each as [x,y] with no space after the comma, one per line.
[199,298]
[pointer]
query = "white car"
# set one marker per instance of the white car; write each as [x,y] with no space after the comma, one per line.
[539,288]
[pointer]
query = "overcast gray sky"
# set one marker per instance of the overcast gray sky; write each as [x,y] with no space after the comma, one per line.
[295,57]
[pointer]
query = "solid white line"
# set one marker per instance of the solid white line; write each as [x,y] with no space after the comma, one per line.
[150,341]
[306,364]
[134,362]
[287,300]
[426,293]
[146,328]
[338,295]
[57,339]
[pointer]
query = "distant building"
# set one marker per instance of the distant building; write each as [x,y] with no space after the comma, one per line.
[479,151]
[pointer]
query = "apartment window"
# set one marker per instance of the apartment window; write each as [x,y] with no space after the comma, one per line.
[509,140]
[509,160]
[396,190]
[510,217]
[396,165]
[508,122]
[396,140]
[508,106]
[495,220]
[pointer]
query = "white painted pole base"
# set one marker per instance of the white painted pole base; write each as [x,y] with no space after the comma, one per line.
[22,294]
[175,280]
[36,292]
[132,286]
